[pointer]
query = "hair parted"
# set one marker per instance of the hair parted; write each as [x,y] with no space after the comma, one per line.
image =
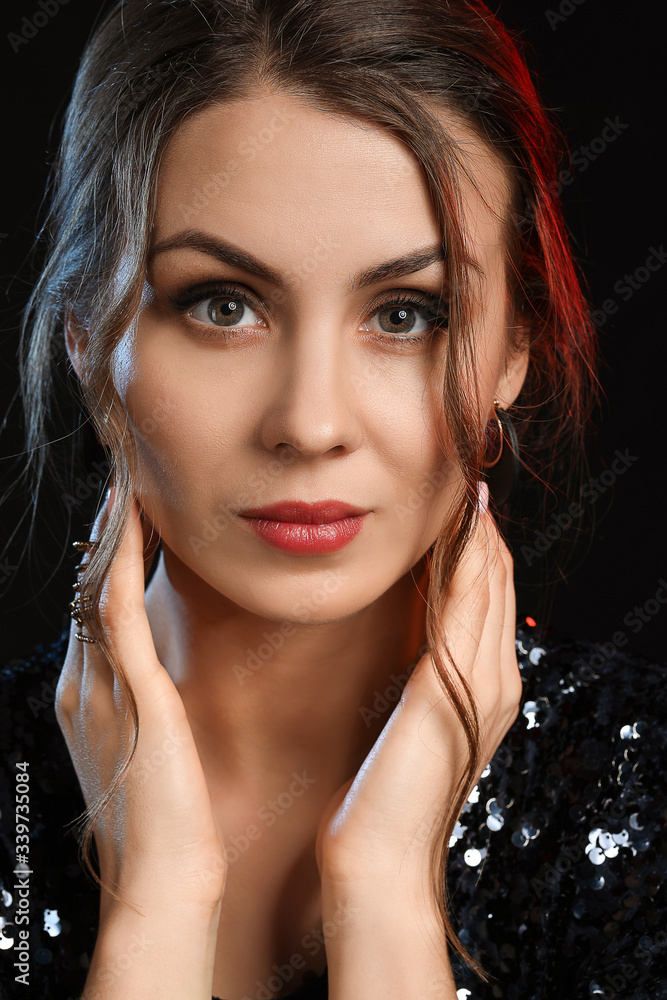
[151,64]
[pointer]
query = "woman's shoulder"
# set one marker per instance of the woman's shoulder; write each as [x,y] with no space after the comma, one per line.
[557,864]
[563,666]
[48,907]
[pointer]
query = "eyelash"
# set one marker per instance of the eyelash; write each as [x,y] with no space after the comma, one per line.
[435,307]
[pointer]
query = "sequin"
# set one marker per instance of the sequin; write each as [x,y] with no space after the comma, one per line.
[51,922]
[596,809]
[544,918]
[530,711]
[495,820]
[457,833]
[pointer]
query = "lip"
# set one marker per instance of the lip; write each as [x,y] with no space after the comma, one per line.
[307,528]
[300,512]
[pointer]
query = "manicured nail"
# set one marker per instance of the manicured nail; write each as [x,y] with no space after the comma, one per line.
[483,497]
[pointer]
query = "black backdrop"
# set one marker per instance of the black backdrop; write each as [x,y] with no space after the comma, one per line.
[598,65]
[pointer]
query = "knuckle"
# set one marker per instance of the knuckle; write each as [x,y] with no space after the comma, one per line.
[67,699]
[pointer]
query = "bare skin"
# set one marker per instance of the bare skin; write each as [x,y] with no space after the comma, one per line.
[310,386]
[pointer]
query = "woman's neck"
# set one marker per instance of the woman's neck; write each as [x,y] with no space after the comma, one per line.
[266,698]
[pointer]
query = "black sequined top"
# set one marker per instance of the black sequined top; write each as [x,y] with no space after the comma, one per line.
[558,863]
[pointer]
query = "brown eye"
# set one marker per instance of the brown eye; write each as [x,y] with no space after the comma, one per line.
[224,310]
[412,318]
[398,319]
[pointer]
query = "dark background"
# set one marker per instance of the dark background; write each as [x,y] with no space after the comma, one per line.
[594,60]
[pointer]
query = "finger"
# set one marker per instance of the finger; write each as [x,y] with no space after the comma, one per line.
[98,679]
[123,608]
[466,607]
[512,679]
[498,635]
[482,652]
[71,684]
[499,682]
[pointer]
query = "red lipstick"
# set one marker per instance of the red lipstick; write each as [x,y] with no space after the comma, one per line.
[306,528]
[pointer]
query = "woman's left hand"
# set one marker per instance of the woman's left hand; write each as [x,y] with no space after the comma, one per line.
[375,838]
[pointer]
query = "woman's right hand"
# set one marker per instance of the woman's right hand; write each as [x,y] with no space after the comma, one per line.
[157,840]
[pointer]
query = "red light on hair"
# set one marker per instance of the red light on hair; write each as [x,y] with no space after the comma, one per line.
[531,622]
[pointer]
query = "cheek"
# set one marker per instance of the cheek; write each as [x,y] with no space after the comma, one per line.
[182,426]
[424,479]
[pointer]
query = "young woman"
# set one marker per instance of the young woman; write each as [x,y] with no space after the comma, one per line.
[309,271]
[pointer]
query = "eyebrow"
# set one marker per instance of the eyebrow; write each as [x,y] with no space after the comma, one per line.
[227,253]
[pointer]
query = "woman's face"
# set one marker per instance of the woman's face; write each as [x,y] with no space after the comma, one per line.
[270,362]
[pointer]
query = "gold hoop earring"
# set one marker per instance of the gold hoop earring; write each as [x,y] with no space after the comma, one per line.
[501,438]
[502,472]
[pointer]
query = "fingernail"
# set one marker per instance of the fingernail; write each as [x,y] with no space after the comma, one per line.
[109,498]
[482,497]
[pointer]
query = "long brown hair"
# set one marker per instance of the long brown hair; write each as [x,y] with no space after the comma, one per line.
[151,64]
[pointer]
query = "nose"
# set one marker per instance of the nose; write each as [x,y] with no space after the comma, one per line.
[314,407]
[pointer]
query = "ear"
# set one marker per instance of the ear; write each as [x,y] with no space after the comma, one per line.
[512,378]
[76,340]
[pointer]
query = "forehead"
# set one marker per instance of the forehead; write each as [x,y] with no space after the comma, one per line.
[287,180]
